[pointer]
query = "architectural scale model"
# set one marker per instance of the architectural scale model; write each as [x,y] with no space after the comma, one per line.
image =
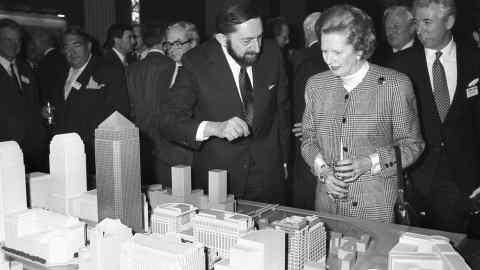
[44,236]
[13,195]
[220,230]
[68,174]
[106,240]
[346,248]
[181,191]
[296,229]
[39,189]
[172,217]
[257,250]
[117,160]
[416,251]
[316,240]
[166,252]
[9,265]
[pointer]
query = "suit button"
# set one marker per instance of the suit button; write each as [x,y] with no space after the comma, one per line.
[344,120]
[354,204]
[345,149]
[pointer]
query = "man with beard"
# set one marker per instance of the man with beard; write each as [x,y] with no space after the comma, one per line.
[230,104]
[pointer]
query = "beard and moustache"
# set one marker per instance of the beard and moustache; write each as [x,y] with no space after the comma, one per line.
[247,59]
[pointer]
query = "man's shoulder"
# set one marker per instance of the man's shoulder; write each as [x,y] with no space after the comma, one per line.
[153,59]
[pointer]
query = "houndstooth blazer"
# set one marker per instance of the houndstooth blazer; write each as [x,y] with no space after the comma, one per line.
[376,115]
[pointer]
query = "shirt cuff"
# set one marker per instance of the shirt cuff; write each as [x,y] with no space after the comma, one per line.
[375,159]
[319,164]
[200,131]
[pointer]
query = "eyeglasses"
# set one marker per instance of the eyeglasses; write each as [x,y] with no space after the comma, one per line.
[176,44]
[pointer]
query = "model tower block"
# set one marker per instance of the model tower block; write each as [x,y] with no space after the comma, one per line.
[13,192]
[67,171]
[296,229]
[181,191]
[172,217]
[257,250]
[161,252]
[106,240]
[117,160]
[416,251]
[316,240]
[50,237]
[220,230]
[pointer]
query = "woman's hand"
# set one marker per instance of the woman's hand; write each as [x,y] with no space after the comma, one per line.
[350,170]
[336,188]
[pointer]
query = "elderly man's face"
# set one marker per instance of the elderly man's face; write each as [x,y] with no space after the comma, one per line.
[177,44]
[399,30]
[10,42]
[433,27]
[76,50]
[245,43]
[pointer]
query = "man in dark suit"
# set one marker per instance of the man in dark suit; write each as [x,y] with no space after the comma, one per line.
[119,44]
[308,61]
[91,91]
[445,77]
[230,103]
[20,118]
[148,85]
[52,62]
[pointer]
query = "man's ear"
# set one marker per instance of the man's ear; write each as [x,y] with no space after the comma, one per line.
[450,21]
[222,39]
[89,45]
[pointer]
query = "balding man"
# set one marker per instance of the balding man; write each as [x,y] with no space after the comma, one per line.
[308,61]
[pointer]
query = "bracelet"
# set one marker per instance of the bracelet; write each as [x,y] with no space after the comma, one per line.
[322,177]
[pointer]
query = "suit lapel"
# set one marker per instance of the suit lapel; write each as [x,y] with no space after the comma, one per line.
[459,98]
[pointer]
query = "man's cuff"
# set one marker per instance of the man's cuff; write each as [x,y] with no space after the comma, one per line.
[199,137]
[319,164]
[375,159]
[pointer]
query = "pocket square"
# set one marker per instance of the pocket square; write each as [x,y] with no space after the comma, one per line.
[472,91]
[92,84]
[24,79]
[473,82]
[270,87]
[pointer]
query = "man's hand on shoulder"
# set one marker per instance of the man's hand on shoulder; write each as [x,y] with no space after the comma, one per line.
[231,129]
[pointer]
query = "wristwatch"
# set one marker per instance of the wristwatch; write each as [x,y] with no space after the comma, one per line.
[323,177]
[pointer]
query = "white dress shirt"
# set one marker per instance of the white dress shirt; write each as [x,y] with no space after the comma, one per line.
[6,65]
[73,75]
[449,62]
[121,56]
[235,68]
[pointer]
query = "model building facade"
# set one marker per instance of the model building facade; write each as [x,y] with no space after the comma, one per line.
[117,160]
[172,217]
[296,229]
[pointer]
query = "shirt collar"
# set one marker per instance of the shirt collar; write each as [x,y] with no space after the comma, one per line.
[119,54]
[312,43]
[447,51]
[5,63]
[406,46]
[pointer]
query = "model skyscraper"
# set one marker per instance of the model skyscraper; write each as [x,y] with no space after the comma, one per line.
[117,160]
[68,173]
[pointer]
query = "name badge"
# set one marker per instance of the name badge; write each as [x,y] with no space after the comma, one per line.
[472,91]
[76,85]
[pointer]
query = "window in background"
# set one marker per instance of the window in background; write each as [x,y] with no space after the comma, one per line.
[135,11]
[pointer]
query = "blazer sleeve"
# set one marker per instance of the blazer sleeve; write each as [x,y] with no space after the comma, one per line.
[177,122]
[406,131]
[310,147]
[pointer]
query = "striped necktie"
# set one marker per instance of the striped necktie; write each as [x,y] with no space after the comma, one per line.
[440,87]
[247,95]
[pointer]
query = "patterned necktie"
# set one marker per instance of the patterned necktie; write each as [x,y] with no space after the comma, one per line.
[15,77]
[69,83]
[440,87]
[247,95]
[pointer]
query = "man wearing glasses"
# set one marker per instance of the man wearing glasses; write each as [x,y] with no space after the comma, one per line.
[230,104]
[180,37]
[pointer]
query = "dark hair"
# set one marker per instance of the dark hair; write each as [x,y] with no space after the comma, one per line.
[115,31]
[77,31]
[9,23]
[274,27]
[153,33]
[354,22]
[235,12]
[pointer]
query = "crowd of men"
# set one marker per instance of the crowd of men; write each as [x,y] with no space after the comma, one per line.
[229,104]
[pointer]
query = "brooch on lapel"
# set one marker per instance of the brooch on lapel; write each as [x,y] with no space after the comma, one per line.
[381,81]
[92,84]
[270,87]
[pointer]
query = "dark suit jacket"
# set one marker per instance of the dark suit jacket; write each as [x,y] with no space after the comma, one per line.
[20,118]
[48,69]
[205,90]
[383,54]
[457,138]
[111,58]
[86,107]
[148,84]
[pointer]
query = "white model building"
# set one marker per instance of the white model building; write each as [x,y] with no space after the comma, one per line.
[172,217]
[51,237]
[181,191]
[39,188]
[166,252]
[106,240]
[257,250]
[85,206]
[219,230]
[117,160]
[316,240]
[68,174]
[416,251]
[296,229]
[13,195]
